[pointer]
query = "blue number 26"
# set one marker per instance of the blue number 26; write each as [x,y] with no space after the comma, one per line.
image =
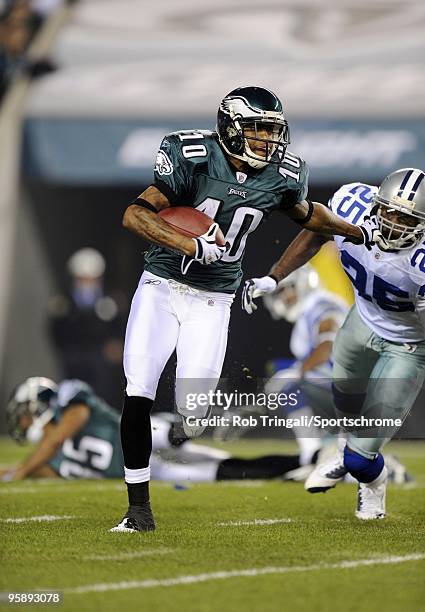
[382,290]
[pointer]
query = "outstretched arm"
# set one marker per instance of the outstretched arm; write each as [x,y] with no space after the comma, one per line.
[321,224]
[323,221]
[72,421]
[300,251]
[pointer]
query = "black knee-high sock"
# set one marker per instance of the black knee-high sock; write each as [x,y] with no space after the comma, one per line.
[136,442]
[269,466]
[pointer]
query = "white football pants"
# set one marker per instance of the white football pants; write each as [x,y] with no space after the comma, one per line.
[165,316]
[193,462]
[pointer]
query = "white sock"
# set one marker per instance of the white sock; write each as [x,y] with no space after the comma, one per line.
[309,438]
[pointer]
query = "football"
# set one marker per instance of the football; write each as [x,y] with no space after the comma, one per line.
[190,222]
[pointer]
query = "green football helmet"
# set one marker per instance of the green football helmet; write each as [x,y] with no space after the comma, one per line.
[258,108]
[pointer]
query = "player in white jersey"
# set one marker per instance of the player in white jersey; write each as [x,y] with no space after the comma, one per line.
[379,354]
[316,315]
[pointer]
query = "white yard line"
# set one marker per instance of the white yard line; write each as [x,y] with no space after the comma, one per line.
[7,490]
[44,517]
[260,571]
[62,486]
[130,555]
[254,522]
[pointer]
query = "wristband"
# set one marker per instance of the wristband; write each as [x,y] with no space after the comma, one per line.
[145,204]
[309,214]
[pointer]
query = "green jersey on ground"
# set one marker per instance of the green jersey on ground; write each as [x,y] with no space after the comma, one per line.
[192,170]
[94,451]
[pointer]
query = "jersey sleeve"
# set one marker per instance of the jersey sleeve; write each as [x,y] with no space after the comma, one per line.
[325,309]
[295,170]
[352,202]
[172,172]
[71,392]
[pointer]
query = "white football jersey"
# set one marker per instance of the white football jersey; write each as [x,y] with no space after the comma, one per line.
[389,287]
[318,306]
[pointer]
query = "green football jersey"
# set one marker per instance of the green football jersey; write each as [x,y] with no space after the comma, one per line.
[192,170]
[95,451]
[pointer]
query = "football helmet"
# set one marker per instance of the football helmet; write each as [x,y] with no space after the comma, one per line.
[257,108]
[402,191]
[301,281]
[32,397]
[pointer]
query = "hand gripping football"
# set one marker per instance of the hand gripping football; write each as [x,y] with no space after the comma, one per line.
[189,222]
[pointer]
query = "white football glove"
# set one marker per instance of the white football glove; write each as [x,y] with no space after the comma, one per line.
[254,288]
[371,235]
[207,250]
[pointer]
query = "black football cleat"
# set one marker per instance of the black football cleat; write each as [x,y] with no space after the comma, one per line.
[137,518]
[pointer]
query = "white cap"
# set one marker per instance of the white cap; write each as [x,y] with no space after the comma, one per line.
[87,263]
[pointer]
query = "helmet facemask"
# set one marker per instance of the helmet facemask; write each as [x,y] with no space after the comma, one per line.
[401,208]
[253,133]
[400,235]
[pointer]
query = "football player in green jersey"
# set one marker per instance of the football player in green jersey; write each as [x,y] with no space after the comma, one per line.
[237,175]
[76,432]
[76,435]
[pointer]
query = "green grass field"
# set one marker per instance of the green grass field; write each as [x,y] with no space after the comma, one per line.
[322,559]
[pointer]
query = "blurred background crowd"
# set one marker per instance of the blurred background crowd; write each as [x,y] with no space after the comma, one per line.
[20,20]
[113,78]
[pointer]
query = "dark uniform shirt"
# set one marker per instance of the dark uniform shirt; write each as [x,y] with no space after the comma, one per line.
[95,450]
[192,170]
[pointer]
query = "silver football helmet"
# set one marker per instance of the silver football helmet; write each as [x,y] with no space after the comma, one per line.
[31,397]
[302,281]
[402,192]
